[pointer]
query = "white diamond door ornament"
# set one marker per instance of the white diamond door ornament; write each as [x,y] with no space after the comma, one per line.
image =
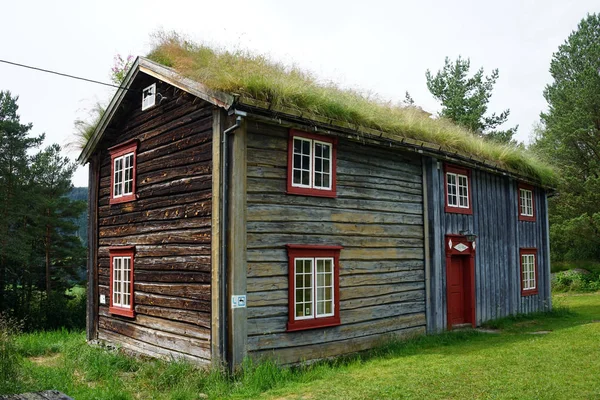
[461,247]
[450,243]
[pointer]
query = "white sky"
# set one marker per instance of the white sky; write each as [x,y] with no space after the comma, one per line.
[381,46]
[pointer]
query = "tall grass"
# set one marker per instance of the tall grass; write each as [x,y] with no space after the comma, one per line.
[10,359]
[258,77]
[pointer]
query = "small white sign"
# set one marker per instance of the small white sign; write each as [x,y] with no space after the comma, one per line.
[238,301]
[102,299]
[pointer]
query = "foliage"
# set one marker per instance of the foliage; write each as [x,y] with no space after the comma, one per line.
[570,136]
[85,127]
[81,194]
[38,247]
[10,359]
[259,78]
[465,99]
[120,68]
[449,365]
[576,281]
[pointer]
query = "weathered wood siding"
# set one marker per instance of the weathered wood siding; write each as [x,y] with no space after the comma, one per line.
[169,223]
[377,218]
[499,236]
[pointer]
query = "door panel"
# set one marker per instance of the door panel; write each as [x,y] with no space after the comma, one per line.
[456,291]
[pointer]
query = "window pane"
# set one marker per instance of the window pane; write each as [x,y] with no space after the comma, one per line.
[322,165]
[301,162]
[303,278]
[297,176]
[305,178]
[324,285]
[318,180]
[325,181]
[320,308]
[306,146]
[451,187]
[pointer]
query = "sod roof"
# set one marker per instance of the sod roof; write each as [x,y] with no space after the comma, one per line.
[256,79]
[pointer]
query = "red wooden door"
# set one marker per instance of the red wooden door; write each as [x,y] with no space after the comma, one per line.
[458,301]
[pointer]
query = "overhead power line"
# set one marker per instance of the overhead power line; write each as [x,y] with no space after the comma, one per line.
[63,74]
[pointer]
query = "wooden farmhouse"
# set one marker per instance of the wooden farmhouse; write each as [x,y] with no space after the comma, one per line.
[223,227]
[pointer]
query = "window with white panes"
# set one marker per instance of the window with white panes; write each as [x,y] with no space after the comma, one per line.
[311,164]
[526,202]
[123,175]
[529,278]
[123,171]
[314,290]
[121,281]
[528,263]
[458,190]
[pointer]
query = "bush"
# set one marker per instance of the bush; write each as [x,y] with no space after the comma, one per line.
[576,281]
[10,360]
[59,310]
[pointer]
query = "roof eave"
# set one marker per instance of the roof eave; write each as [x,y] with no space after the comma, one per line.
[158,71]
[422,147]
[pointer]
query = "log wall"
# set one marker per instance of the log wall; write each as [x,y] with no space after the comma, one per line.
[377,217]
[169,225]
[499,236]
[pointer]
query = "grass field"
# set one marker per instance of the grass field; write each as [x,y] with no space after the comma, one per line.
[512,364]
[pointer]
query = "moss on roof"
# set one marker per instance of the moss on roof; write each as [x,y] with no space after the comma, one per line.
[258,77]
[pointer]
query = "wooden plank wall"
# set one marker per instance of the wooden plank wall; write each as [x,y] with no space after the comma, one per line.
[377,217]
[499,237]
[170,225]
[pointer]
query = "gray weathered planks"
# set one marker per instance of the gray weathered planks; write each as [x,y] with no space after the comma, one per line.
[499,236]
[377,217]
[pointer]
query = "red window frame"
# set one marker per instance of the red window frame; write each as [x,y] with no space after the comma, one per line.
[529,251]
[313,251]
[122,251]
[117,151]
[460,171]
[311,191]
[521,216]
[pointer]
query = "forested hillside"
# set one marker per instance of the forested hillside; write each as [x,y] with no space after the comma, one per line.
[81,194]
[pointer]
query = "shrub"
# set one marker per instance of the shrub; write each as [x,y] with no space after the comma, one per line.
[576,281]
[10,360]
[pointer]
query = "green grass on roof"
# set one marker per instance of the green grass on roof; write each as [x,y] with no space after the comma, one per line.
[258,77]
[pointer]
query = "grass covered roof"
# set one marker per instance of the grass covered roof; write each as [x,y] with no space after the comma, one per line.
[259,78]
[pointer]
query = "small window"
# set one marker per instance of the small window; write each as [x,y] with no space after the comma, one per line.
[529,284]
[458,190]
[121,281]
[123,169]
[313,286]
[526,203]
[311,164]
[149,97]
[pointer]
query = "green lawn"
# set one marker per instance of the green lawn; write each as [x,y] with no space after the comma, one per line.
[513,364]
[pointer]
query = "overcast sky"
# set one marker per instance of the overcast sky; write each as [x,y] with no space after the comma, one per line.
[383,47]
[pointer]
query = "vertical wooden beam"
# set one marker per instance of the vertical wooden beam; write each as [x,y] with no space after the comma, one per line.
[546,240]
[92,262]
[236,246]
[426,244]
[216,331]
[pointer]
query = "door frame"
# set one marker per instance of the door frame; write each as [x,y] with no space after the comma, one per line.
[450,244]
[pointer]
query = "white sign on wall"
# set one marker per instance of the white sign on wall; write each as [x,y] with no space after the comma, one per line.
[238,301]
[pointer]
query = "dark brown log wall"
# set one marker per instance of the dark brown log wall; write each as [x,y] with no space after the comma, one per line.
[377,217]
[169,224]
